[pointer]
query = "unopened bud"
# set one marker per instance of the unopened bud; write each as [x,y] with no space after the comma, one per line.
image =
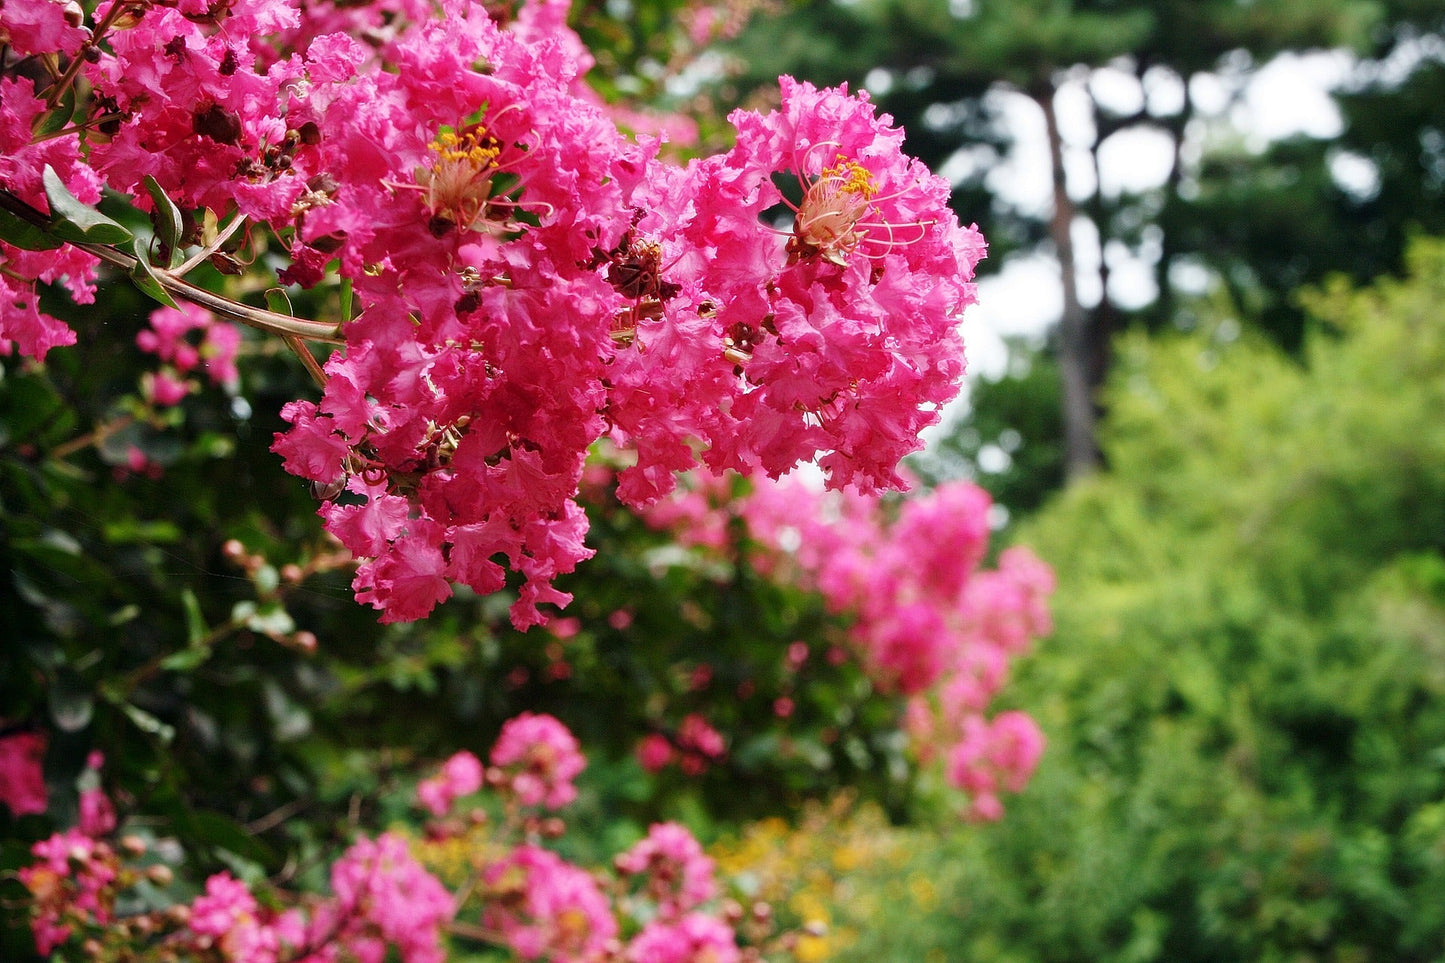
[160,874]
[133,845]
[291,572]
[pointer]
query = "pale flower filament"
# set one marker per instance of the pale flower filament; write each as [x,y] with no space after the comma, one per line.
[462,184]
[839,214]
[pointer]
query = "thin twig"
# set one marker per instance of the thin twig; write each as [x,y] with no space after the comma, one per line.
[259,318]
[96,437]
[473,932]
[191,263]
[308,360]
[276,816]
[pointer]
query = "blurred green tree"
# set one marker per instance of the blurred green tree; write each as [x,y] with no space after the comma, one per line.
[1244,698]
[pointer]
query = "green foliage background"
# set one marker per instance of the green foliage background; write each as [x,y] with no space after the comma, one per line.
[1245,695]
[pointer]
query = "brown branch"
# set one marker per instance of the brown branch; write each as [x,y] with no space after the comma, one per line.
[178,287]
[96,437]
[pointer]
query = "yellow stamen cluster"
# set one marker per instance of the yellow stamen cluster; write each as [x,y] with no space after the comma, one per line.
[459,184]
[826,225]
[473,148]
[854,177]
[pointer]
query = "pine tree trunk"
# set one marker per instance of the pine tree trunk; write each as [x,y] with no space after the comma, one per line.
[1081,452]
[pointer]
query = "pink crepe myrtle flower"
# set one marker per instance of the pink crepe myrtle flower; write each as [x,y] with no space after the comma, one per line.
[172,337]
[672,869]
[385,898]
[924,619]
[43,26]
[547,908]
[461,775]
[654,752]
[227,917]
[699,744]
[529,280]
[539,758]
[993,756]
[694,938]
[97,813]
[72,879]
[836,338]
[22,777]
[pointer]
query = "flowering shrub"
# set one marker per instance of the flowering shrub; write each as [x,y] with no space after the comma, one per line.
[925,621]
[526,278]
[661,904]
[502,283]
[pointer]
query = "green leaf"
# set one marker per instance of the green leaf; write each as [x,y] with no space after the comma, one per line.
[270,619]
[129,531]
[24,235]
[56,117]
[75,221]
[72,703]
[216,830]
[196,629]
[145,277]
[277,301]
[169,223]
[148,723]
[186,660]
[346,299]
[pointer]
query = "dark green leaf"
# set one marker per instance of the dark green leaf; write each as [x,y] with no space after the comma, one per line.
[23,234]
[277,301]
[216,830]
[145,277]
[169,223]
[196,629]
[75,221]
[56,117]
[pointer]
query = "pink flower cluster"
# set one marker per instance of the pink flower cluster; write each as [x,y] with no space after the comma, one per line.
[993,755]
[693,938]
[545,907]
[539,759]
[73,881]
[384,904]
[461,775]
[227,917]
[23,325]
[926,621]
[383,897]
[186,340]
[529,279]
[535,761]
[22,778]
[672,868]
[695,746]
